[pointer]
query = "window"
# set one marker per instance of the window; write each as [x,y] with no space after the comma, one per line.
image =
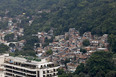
[44,76]
[38,74]
[54,70]
[47,71]
[54,74]
[43,72]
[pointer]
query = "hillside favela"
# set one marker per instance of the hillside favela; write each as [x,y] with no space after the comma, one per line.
[57,38]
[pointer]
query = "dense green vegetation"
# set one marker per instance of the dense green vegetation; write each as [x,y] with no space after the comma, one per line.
[32,58]
[86,42]
[49,52]
[100,62]
[3,48]
[13,8]
[3,25]
[83,50]
[112,42]
[97,16]
[30,43]
[9,37]
[23,53]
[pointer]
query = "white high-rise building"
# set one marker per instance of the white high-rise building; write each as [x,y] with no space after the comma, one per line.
[2,57]
[21,67]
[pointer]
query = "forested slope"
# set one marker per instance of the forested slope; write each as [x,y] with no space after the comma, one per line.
[97,16]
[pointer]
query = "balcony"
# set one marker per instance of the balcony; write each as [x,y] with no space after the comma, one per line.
[26,65]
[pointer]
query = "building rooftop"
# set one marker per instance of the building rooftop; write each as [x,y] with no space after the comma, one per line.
[26,61]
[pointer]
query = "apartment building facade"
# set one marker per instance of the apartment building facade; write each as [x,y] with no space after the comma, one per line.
[21,67]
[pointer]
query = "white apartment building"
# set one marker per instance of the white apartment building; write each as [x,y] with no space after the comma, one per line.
[21,67]
[2,57]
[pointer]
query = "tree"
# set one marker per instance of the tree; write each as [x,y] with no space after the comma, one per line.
[29,53]
[49,52]
[111,74]
[75,76]
[61,71]
[99,60]
[24,53]
[86,42]
[83,50]
[47,41]
[79,69]
[27,47]
[81,74]
[100,73]
[112,42]
[9,37]
[31,40]
[3,25]
[3,48]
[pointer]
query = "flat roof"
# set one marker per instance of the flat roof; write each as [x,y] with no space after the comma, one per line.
[23,60]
